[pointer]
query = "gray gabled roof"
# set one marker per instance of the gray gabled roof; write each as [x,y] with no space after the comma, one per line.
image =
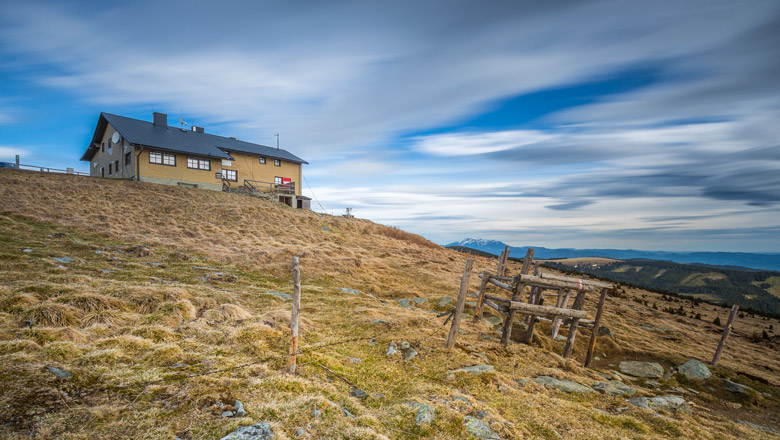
[176,139]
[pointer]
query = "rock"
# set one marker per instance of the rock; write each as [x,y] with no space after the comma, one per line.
[481,414]
[614,388]
[403,302]
[27,250]
[348,290]
[380,321]
[326,229]
[759,427]
[665,403]
[660,329]
[493,320]
[677,390]
[475,369]
[479,428]
[425,413]
[522,382]
[347,413]
[445,301]
[606,331]
[258,431]
[566,386]
[392,349]
[227,414]
[694,370]
[652,383]
[316,413]
[301,432]
[405,345]
[462,332]
[417,300]
[280,295]
[64,260]
[240,411]
[642,369]
[357,392]
[62,374]
[354,360]
[502,389]
[461,399]
[410,354]
[733,405]
[560,338]
[736,387]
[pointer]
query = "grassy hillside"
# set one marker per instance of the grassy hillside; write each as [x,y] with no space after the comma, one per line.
[164,302]
[750,289]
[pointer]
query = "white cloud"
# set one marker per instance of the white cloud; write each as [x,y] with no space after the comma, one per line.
[465,144]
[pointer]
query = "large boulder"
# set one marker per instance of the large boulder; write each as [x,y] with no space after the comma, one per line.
[694,370]
[642,369]
[662,403]
[425,413]
[736,387]
[614,388]
[566,386]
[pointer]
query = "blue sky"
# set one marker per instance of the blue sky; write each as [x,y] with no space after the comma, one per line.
[620,124]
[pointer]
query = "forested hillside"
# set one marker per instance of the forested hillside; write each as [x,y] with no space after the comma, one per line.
[751,290]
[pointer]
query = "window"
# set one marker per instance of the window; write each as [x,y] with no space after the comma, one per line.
[128,158]
[102,147]
[198,164]
[231,175]
[262,160]
[277,181]
[277,162]
[102,172]
[116,166]
[109,169]
[162,158]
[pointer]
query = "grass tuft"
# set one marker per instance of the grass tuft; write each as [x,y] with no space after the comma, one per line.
[53,315]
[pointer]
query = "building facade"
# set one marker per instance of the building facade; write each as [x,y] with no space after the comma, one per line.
[126,148]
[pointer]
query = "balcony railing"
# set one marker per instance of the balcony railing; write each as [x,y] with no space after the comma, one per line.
[277,188]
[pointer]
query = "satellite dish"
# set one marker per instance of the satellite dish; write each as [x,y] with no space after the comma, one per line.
[115,138]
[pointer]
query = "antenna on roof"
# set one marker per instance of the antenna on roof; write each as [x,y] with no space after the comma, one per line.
[277,140]
[181,118]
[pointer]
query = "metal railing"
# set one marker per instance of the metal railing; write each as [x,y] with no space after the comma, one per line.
[44,169]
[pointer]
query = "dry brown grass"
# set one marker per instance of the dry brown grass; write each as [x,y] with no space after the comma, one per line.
[141,321]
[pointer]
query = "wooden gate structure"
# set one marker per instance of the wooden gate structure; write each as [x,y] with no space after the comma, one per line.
[541,285]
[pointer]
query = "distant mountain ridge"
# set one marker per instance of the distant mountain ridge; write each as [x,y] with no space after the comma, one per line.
[763,261]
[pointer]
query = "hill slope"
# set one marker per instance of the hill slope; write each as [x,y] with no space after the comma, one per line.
[164,303]
[766,261]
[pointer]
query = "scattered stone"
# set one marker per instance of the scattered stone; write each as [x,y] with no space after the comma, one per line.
[652,383]
[227,414]
[61,267]
[677,390]
[694,370]
[106,271]
[139,251]
[284,296]
[240,411]
[759,427]
[642,369]
[614,388]
[301,432]
[765,394]
[403,302]
[258,431]
[220,277]
[316,413]
[445,301]
[502,389]
[392,349]
[664,403]
[461,399]
[493,320]
[481,414]
[326,229]
[462,332]
[475,369]
[733,405]
[354,360]
[417,300]
[479,428]
[348,290]
[566,386]
[653,328]
[154,264]
[405,345]
[357,392]
[736,387]
[378,396]
[380,321]
[28,250]
[560,338]
[606,331]
[62,374]
[64,260]
[522,382]
[410,354]
[347,413]
[425,413]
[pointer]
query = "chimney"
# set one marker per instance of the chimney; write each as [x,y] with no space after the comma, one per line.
[160,120]
[197,129]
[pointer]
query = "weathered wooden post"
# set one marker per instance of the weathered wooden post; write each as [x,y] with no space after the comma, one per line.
[562,303]
[579,302]
[464,287]
[595,331]
[535,298]
[296,306]
[502,261]
[726,331]
[481,299]
[518,290]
